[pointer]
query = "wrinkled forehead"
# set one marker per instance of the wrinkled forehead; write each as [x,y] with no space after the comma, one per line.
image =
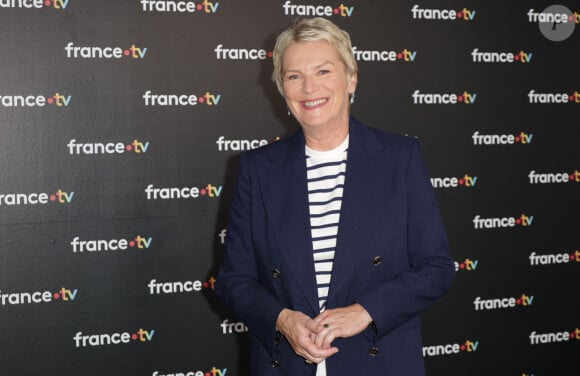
[301,55]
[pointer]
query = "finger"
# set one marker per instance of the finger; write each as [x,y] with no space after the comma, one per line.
[317,359]
[328,353]
[319,340]
[327,342]
[325,338]
[325,322]
[322,316]
[314,352]
[314,327]
[313,360]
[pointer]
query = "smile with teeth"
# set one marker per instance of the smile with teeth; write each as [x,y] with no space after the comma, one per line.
[315,102]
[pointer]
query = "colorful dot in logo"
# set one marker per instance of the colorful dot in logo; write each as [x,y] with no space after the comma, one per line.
[205,285]
[129,147]
[519,301]
[270,54]
[134,336]
[460,98]
[50,100]
[56,295]
[199,6]
[459,15]
[126,52]
[518,221]
[463,347]
[462,265]
[399,56]
[203,192]
[201,99]
[48,3]
[132,243]
[336,11]
[52,198]
[571,98]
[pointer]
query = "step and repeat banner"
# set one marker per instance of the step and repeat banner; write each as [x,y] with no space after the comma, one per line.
[121,126]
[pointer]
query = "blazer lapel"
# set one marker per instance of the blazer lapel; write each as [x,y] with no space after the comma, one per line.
[359,209]
[285,195]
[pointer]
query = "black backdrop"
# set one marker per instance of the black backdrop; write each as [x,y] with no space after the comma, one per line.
[107,262]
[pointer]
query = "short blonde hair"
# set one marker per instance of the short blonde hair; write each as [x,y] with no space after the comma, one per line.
[313,30]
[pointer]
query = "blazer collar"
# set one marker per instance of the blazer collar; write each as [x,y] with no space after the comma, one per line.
[292,149]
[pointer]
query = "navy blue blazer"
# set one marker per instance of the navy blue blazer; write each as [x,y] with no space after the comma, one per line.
[391,253]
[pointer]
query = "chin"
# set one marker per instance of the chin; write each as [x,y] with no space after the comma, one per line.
[314,123]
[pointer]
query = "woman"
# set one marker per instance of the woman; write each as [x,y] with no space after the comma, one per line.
[334,244]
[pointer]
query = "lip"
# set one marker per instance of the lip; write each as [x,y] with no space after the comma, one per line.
[313,104]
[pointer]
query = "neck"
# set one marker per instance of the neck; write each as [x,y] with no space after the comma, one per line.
[326,138]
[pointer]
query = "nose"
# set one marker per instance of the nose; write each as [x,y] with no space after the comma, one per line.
[309,84]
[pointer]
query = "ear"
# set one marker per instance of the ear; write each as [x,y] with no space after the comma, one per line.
[351,82]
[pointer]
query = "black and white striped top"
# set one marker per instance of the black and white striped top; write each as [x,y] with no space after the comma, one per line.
[325,175]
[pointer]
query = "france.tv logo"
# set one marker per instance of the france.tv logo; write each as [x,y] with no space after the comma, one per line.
[316,10]
[95,52]
[179,6]
[38,4]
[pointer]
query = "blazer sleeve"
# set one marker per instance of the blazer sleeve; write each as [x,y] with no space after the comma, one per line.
[238,282]
[431,270]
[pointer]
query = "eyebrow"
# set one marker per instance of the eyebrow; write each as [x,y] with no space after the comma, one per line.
[324,63]
[315,67]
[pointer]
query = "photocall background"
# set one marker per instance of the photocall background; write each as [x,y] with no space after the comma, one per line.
[109,101]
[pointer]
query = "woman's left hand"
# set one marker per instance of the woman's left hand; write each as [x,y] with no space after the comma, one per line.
[339,323]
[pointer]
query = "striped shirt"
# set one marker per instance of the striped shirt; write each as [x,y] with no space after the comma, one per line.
[325,172]
[325,176]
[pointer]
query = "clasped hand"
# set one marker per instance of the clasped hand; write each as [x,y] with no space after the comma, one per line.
[312,338]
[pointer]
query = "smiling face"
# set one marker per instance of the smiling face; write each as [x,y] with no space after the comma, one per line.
[317,88]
